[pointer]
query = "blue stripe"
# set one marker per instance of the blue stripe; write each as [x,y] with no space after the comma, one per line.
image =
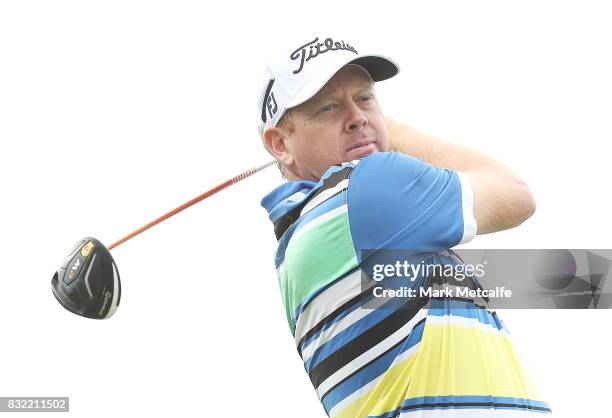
[474,399]
[350,333]
[372,370]
[281,195]
[429,403]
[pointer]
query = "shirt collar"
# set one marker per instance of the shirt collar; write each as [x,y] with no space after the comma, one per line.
[286,196]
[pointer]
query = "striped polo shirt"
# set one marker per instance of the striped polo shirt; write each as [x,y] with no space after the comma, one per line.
[365,362]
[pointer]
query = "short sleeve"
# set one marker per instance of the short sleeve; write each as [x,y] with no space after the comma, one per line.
[399,202]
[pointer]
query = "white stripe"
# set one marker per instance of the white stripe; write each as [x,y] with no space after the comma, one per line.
[323,196]
[467,205]
[334,330]
[341,325]
[297,196]
[328,301]
[371,385]
[317,221]
[281,267]
[463,321]
[371,354]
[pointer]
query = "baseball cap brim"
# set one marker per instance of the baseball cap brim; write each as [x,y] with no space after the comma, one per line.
[379,67]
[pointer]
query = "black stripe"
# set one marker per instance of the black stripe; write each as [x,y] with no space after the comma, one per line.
[400,342]
[366,341]
[263,106]
[332,316]
[283,223]
[335,178]
[493,404]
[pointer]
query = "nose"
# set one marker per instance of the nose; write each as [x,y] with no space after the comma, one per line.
[356,119]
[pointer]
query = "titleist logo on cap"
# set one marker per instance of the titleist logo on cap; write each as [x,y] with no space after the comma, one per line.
[315,49]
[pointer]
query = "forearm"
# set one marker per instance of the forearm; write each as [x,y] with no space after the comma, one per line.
[502,200]
[434,151]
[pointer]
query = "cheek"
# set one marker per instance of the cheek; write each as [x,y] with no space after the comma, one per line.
[384,140]
[318,150]
[379,125]
[323,144]
[306,151]
[328,149]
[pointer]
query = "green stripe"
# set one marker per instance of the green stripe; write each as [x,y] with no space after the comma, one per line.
[314,259]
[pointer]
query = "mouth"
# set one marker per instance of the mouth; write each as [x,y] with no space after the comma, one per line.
[362,148]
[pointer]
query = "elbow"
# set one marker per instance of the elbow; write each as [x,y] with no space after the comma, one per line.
[502,202]
[525,202]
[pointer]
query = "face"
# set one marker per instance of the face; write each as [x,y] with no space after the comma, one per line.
[343,122]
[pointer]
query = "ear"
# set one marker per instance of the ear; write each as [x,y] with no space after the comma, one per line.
[276,143]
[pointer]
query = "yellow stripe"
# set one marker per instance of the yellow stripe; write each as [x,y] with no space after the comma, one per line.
[451,360]
[386,395]
[465,360]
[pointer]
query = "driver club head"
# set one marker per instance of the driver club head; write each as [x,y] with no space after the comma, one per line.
[87,283]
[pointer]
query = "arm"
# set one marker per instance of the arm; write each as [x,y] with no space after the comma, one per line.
[502,200]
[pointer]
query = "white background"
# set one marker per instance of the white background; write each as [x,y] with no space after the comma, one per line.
[112,113]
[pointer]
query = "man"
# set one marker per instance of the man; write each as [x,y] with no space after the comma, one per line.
[348,196]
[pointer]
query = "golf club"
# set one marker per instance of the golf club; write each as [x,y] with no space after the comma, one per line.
[87,282]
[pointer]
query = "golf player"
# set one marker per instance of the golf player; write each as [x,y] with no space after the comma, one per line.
[358,182]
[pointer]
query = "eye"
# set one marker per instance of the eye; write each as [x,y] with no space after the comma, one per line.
[328,108]
[367,98]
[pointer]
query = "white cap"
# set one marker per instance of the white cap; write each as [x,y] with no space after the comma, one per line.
[304,70]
